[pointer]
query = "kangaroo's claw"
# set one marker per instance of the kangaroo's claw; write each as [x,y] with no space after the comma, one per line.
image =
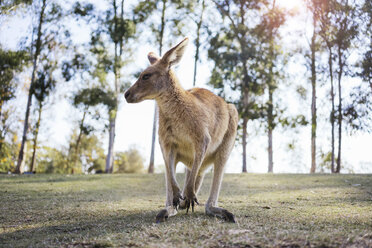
[192,203]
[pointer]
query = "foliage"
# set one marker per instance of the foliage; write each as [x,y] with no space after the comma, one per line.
[52,160]
[234,50]
[9,6]
[94,96]
[8,155]
[10,63]
[358,110]
[88,156]
[130,161]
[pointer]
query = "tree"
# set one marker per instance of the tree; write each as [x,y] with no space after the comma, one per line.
[237,61]
[115,28]
[43,85]
[86,99]
[313,6]
[327,32]
[46,41]
[36,48]
[268,33]
[347,29]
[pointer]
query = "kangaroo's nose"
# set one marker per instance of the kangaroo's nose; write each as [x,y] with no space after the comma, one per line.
[127,94]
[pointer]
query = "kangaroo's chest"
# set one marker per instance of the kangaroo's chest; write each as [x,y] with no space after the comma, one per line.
[175,132]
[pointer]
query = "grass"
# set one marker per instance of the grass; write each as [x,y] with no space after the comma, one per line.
[281,210]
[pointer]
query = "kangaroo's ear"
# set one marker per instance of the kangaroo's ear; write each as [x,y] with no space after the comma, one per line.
[174,55]
[153,58]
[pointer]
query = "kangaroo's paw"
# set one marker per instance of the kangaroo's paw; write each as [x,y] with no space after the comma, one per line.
[163,215]
[177,199]
[220,212]
[191,201]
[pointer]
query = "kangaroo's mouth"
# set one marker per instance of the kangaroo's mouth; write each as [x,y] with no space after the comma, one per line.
[129,97]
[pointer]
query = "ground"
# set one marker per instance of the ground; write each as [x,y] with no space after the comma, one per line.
[119,210]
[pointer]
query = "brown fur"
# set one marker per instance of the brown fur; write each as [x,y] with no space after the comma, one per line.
[196,127]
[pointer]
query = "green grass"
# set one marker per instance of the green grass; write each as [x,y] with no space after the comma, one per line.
[119,211]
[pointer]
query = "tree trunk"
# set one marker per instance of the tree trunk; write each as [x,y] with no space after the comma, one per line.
[245,95]
[270,116]
[156,113]
[2,131]
[340,65]
[245,121]
[76,154]
[32,166]
[113,112]
[197,42]
[30,93]
[270,124]
[330,65]
[270,151]
[313,101]
[110,153]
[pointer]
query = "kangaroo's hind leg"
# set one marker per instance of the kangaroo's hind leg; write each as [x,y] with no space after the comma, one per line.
[211,207]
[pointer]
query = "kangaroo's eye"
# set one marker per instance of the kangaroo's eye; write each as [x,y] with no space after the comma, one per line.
[146,76]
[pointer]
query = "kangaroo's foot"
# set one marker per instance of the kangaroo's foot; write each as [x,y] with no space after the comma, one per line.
[219,212]
[177,198]
[165,213]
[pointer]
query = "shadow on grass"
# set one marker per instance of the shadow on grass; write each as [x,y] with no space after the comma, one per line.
[93,232]
[93,229]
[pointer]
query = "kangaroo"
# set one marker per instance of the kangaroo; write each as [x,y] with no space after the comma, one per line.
[196,127]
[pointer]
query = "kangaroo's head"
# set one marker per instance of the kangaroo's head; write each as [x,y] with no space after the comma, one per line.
[156,78]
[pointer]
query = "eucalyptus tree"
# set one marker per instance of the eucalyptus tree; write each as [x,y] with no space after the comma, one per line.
[48,33]
[108,42]
[271,72]
[36,49]
[313,7]
[86,99]
[234,51]
[44,84]
[346,24]
[327,32]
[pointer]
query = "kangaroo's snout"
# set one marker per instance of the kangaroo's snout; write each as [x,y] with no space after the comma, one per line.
[127,96]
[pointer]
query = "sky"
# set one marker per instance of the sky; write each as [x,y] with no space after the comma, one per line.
[134,121]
